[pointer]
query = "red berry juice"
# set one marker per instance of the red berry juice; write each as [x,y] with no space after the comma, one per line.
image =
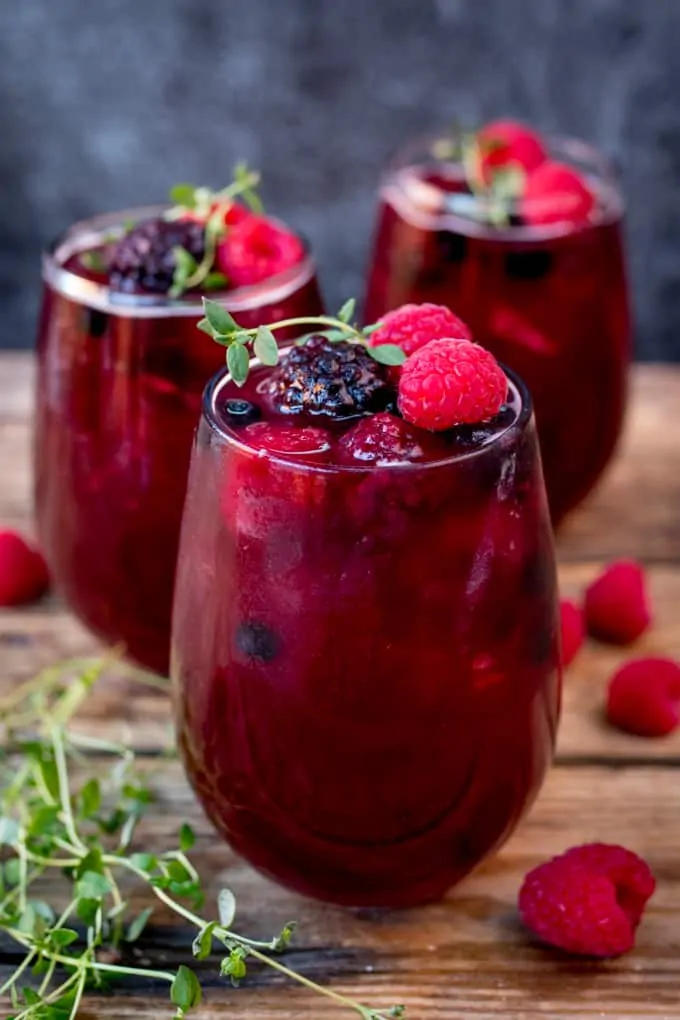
[120,378]
[365,651]
[550,301]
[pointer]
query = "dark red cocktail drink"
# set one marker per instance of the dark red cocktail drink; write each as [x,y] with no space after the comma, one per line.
[365,653]
[545,291]
[121,372]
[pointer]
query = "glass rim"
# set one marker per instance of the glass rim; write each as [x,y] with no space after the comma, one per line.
[210,416]
[82,234]
[575,149]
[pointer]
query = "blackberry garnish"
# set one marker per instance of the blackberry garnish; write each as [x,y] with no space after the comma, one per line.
[144,259]
[338,378]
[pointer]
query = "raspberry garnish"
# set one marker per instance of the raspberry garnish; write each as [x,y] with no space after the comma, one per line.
[324,377]
[589,900]
[573,630]
[616,605]
[380,439]
[285,440]
[412,326]
[23,572]
[144,258]
[554,193]
[644,697]
[255,249]
[451,382]
[507,141]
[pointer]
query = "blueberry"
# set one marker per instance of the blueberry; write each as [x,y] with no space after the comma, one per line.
[528,265]
[257,641]
[470,436]
[453,247]
[96,322]
[240,412]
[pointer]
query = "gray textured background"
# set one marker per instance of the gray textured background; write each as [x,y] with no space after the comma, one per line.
[105,104]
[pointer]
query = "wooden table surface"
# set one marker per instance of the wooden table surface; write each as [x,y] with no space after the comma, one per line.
[466,957]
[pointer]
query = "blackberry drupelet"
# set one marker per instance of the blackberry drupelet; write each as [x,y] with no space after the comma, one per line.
[335,378]
[143,259]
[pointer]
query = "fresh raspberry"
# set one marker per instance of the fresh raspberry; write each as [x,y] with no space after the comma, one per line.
[285,440]
[143,259]
[412,326]
[554,193]
[506,141]
[589,900]
[616,604]
[573,630]
[644,697]
[338,379]
[23,572]
[451,382]
[255,249]
[381,439]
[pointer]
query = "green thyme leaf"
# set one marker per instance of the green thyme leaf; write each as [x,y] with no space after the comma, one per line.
[205,327]
[90,798]
[346,313]
[92,886]
[145,862]
[367,330]
[234,965]
[183,194]
[185,991]
[219,318]
[62,937]
[266,347]
[9,831]
[94,261]
[238,363]
[387,354]
[202,944]
[136,927]
[215,281]
[185,267]
[282,940]
[187,837]
[226,907]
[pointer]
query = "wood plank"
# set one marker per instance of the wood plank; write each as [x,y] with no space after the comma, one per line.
[466,956]
[634,512]
[43,635]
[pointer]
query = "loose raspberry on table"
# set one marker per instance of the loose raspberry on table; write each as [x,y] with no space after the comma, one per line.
[23,571]
[255,249]
[573,630]
[644,697]
[554,193]
[381,439]
[451,382]
[507,141]
[588,900]
[412,326]
[334,378]
[144,260]
[616,604]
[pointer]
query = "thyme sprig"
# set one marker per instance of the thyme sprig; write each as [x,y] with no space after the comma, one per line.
[224,330]
[81,825]
[212,207]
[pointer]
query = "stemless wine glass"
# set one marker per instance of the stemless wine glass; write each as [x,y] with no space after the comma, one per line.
[364,659]
[551,301]
[120,378]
